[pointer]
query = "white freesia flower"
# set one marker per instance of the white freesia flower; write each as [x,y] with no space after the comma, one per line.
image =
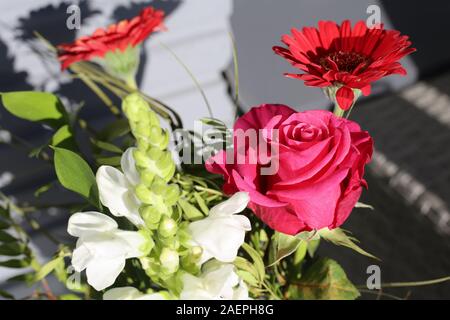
[130,293]
[102,248]
[217,283]
[117,189]
[221,234]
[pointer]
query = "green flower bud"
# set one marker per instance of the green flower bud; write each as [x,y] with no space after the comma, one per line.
[151,266]
[150,214]
[167,228]
[147,177]
[144,194]
[196,253]
[140,158]
[172,195]
[147,247]
[170,260]
[133,106]
[142,130]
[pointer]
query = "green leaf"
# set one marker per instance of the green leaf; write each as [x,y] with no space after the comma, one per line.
[106,146]
[35,106]
[312,247]
[48,267]
[300,253]
[190,212]
[115,130]
[76,175]
[6,237]
[42,189]
[12,249]
[28,278]
[6,295]
[285,245]
[340,238]
[69,296]
[4,225]
[63,138]
[201,203]
[257,260]
[108,161]
[15,263]
[364,206]
[325,280]
[4,212]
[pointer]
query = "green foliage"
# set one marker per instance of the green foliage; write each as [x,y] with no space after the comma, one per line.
[15,263]
[284,245]
[6,295]
[48,267]
[257,261]
[324,280]
[12,249]
[6,237]
[340,238]
[36,106]
[76,175]
[63,138]
[190,212]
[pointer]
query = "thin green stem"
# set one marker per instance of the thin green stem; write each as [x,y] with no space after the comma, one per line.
[411,284]
[189,72]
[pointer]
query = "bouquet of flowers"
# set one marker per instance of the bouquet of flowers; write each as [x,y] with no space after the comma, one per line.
[156,223]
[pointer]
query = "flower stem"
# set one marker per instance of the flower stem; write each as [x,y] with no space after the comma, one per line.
[338,111]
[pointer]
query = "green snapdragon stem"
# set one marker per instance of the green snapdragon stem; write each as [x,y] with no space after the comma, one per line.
[338,111]
[131,82]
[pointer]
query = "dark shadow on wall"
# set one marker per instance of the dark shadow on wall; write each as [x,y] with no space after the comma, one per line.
[49,20]
[427,24]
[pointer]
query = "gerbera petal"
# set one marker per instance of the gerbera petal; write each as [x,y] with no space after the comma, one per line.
[329,33]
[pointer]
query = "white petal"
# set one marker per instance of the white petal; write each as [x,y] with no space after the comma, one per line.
[102,273]
[108,245]
[241,292]
[123,293]
[193,289]
[221,282]
[217,282]
[134,240]
[117,194]
[129,167]
[130,293]
[220,237]
[80,257]
[84,223]
[237,203]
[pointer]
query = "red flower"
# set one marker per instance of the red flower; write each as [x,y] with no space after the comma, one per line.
[116,37]
[347,58]
[318,162]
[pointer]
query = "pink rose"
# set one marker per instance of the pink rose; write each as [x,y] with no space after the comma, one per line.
[320,159]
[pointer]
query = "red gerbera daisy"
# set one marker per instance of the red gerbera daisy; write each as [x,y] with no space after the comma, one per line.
[120,36]
[345,58]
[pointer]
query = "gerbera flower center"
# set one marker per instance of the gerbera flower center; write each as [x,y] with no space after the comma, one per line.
[345,61]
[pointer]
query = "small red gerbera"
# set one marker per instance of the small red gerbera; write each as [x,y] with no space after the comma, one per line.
[120,36]
[345,58]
